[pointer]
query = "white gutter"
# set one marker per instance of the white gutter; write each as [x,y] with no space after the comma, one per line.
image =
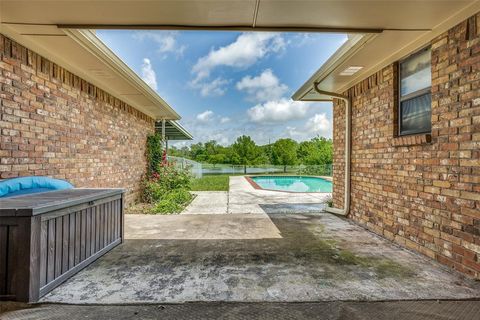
[348,128]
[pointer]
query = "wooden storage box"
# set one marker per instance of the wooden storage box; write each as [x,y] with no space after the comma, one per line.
[45,238]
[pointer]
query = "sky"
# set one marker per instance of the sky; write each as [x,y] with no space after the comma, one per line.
[225,84]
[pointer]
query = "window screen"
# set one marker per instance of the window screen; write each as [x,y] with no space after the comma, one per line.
[415,96]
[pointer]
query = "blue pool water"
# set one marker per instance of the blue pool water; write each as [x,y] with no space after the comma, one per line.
[293,183]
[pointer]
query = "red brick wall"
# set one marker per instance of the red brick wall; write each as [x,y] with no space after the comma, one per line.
[54,123]
[423,194]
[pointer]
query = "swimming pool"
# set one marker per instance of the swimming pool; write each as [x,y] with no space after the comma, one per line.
[292,183]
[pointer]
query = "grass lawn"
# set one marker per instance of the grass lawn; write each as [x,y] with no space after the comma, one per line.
[211,183]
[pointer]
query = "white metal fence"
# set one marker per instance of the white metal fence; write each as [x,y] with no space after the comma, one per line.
[314,170]
[195,168]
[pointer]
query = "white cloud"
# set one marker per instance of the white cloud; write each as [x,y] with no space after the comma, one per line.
[318,125]
[225,120]
[211,88]
[205,116]
[247,49]
[148,74]
[278,111]
[263,87]
[224,135]
[166,41]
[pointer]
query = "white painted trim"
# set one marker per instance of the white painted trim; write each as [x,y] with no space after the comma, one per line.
[348,50]
[89,41]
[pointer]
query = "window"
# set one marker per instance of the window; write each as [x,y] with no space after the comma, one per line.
[415,105]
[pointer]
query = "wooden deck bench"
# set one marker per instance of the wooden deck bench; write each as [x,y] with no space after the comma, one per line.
[45,238]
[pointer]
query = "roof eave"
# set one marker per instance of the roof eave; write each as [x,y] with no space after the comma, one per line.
[88,40]
[354,43]
[182,130]
[181,134]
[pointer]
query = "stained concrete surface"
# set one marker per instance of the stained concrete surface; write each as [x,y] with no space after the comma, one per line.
[257,257]
[393,310]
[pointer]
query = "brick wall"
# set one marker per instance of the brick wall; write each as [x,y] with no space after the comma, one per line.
[56,124]
[422,191]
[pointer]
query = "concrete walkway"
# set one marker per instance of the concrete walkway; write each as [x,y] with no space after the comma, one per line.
[243,198]
[208,202]
[257,258]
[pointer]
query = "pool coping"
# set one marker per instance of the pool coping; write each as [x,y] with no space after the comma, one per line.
[257,187]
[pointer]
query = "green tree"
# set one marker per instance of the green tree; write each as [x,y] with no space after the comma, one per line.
[217,158]
[246,150]
[197,151]
[284,152]
[317,151]
[211,148]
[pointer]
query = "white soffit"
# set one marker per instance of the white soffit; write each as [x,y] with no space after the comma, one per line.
[391,27]
[382,49]
[86,56]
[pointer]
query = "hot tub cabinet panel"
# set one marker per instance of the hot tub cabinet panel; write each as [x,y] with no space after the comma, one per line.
[45,238]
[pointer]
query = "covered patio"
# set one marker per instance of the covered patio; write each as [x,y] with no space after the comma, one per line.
[405,238]
[257,257]
[281,247]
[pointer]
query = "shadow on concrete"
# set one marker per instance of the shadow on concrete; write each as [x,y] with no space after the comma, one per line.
[312,260]
[294,208]
[396,310]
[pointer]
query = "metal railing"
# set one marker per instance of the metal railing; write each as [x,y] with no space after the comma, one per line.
[314,170]
[195,168]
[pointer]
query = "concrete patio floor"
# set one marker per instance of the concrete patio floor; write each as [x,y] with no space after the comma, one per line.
[257,257]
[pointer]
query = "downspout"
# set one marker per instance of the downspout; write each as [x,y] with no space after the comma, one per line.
[348,128]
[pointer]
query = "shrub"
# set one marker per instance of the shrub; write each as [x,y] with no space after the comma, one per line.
[328,201]
[152,191]
[167,189]
[173,202]
[154,153]
[170,178]
[317,170]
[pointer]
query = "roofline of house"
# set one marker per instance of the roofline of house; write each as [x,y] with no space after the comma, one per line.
[355,44]
[180,128]
[89,41]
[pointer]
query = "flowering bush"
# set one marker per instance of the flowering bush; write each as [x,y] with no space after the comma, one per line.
[171,178]
[167,189]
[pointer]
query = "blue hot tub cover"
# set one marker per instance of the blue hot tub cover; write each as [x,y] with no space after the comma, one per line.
[26,185]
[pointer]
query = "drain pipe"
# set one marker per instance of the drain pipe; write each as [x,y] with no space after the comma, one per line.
[348,111]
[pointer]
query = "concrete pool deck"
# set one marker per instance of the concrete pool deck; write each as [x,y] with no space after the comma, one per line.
[242,197]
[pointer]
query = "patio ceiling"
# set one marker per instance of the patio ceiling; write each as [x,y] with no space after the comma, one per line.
[365,54]
[382,30]
[243,14]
